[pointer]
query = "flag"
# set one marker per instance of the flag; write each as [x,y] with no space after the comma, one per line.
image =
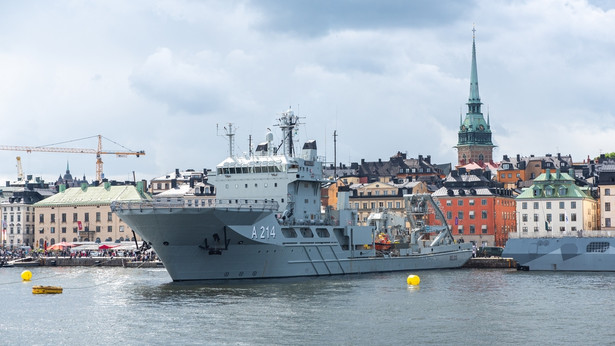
[79,225]
[546,225]
[566,217]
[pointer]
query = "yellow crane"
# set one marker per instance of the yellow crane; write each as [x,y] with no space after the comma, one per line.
[99,152]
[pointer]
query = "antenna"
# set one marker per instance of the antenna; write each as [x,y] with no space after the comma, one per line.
[335,155]
[230,133]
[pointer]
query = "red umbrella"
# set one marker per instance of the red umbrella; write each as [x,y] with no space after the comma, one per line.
[105,247]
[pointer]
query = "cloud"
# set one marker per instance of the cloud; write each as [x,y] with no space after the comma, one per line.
[185,84]
[320,17]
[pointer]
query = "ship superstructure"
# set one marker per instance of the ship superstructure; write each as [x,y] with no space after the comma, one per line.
[268,222]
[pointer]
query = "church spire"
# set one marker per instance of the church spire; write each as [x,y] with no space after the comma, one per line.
[474,97]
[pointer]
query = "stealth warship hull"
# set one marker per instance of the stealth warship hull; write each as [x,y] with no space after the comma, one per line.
[562,253]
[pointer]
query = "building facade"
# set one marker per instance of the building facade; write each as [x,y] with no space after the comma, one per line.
[477,209]
[606,184]
[554,205]
[83,214]
[474,137]
[368,198]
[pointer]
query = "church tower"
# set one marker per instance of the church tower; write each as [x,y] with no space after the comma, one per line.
[474,144]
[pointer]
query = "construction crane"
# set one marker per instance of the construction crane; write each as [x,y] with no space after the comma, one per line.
[98,152]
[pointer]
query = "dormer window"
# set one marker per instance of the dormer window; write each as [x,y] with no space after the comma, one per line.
[549,191]
[562,190]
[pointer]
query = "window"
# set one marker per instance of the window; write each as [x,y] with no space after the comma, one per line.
[460,229]
[449,215]
[483,202]
[562,217]
[535,217]
[75,217]
[471,214]
[562,228]
[109,216]
[535,228]
[524,205]
[74,229]
[53,218]
[548,205]
[607,206]
[484,229]
[63,217]
[472,229]
[109,229]
[448,202]
[607,222]
[573,205]
[536,205]
[484,214]
[87,217]
[41,218]
[52,229]
[97,228]
[524,229]
[607,192]
[524,218]
[471,202]
[573,217]
[561,205]
[460,202]
[549,218]
[460,215]
[97,216]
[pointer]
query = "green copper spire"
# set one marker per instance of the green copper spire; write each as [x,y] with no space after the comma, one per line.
[474,97]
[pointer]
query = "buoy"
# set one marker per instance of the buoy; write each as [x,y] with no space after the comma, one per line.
[26,275]
[413,280]
[46,289]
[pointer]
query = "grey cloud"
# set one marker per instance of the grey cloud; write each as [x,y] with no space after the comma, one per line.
[318,17]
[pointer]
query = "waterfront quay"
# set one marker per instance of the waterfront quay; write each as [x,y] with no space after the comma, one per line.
[490,263]
[86,262]
[476,263]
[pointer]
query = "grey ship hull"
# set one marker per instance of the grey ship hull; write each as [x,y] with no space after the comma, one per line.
[219,244]
[565,254]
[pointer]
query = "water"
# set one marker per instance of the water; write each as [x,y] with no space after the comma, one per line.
[449,307]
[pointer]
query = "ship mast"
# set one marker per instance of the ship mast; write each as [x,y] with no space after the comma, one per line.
[230,133]
[287,124]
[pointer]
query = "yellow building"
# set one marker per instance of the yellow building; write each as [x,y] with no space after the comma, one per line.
[83,213]
[367,198]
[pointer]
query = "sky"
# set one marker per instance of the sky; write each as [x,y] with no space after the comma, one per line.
[388,76]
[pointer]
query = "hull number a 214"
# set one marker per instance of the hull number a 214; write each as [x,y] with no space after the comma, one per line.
[263,232]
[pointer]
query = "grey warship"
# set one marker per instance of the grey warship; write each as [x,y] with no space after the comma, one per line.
[268,222]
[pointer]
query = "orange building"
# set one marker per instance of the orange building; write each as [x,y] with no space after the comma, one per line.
[477,209]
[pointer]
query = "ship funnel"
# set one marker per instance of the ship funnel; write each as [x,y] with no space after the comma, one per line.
[309,150]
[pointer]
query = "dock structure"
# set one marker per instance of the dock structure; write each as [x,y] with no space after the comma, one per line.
[490,263]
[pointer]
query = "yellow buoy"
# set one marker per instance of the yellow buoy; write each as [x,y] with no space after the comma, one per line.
[26,275]
[413,280]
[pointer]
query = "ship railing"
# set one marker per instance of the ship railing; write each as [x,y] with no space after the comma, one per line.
[559,234]
[235,204]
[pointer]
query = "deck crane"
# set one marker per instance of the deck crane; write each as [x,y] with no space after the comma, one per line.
[99,152]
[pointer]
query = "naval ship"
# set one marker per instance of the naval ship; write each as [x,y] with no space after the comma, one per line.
[268,222]
[581,251]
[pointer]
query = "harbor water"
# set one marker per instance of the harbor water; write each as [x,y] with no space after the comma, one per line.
[130,306]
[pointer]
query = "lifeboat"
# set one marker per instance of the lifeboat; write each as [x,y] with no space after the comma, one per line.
[383,242]
[46,290]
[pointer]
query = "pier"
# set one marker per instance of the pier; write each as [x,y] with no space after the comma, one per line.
[490,263]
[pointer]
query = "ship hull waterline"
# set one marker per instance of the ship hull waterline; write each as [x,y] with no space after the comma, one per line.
[224,244]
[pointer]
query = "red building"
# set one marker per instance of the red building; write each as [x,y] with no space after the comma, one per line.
[477,209]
